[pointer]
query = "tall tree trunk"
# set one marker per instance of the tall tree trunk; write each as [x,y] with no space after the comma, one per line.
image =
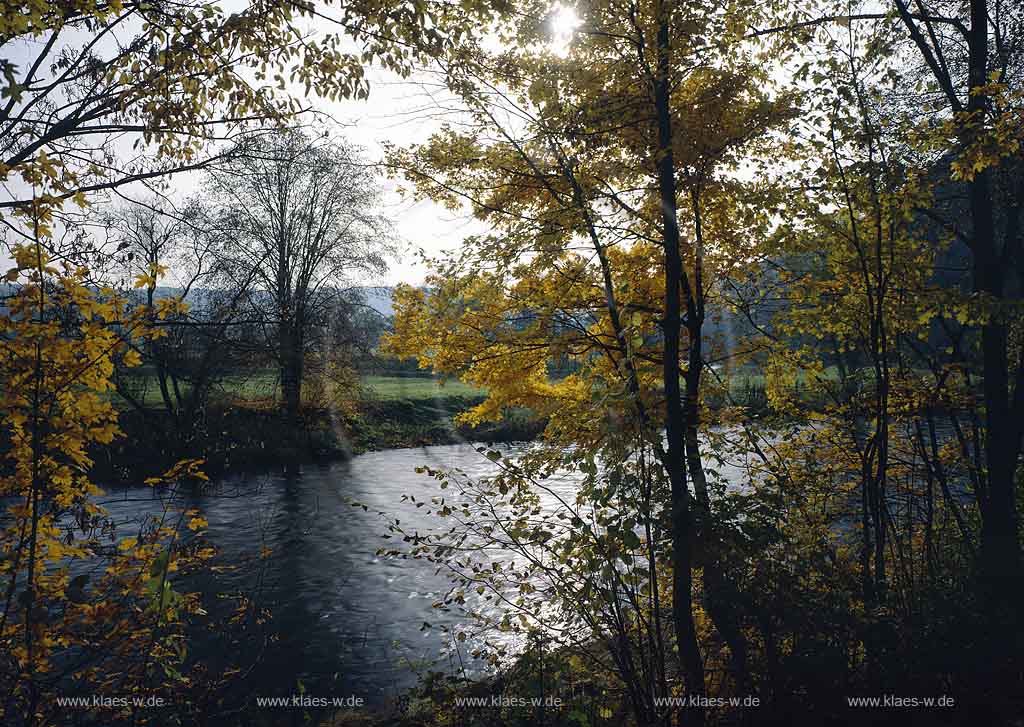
[682,521]
[721,594]
[290,358]
[1000,566]
[999,554]
[1000,546]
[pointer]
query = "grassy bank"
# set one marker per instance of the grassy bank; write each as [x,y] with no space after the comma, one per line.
[415,422]
[242,429]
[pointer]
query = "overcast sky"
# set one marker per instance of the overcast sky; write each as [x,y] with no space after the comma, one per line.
[398,111]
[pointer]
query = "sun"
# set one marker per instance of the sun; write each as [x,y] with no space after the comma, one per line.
[564,22]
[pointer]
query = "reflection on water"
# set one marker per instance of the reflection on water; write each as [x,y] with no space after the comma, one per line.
[348,621]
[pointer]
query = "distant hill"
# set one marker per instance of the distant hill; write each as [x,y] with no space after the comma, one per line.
[380,299]
[376,297]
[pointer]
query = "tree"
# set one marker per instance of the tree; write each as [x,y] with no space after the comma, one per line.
[122,630]
[608,177]
[203,341]
[932,103]
[165,79]
[872,265]
[301,212]
[149,236]
[84,80]
[608,174]
[978,74]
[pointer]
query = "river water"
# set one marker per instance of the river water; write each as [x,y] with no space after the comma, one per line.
[347,621]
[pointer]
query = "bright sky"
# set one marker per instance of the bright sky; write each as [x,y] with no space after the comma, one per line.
[404,112]
[400,112]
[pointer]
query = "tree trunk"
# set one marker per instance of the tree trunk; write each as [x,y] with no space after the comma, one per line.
[721,595]
[1000,545]
[682,524]
[290,357]
[999,554]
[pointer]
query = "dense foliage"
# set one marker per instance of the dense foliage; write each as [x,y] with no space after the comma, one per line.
[756,268]
[690,198]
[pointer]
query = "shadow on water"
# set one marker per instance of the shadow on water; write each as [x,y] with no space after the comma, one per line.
[345,622]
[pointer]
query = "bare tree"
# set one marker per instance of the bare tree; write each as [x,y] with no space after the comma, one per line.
[206,339]
[303,228]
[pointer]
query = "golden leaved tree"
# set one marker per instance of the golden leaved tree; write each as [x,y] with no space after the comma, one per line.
[84,82]
[78,599]
[608,176]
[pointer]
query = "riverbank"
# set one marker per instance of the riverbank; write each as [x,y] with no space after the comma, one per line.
[253,436]
[399,423]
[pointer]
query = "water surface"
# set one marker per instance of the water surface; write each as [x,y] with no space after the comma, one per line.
[348,621]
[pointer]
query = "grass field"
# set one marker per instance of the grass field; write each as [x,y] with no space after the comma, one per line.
[263,386]
[403,387]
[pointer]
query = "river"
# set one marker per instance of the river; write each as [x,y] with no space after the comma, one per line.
[347,621]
